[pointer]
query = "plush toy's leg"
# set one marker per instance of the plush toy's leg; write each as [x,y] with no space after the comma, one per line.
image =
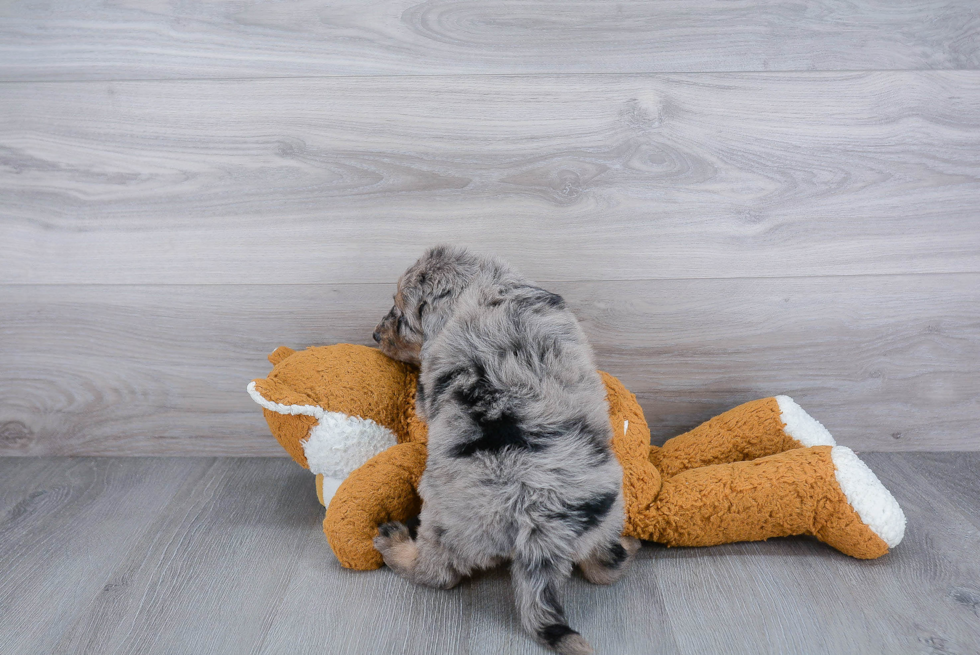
[381,490]
[754,429]
[821,491]
[326,488]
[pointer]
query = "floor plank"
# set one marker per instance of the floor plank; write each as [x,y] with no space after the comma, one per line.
[958,479]
[25,482]
[61,540]
[585,178]
[70,40]
[887,363]
[628,618]
[205,577]
[905,602]
[164,555]
[341,611]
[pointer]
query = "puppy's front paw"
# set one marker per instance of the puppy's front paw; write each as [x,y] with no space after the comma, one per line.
[396,546]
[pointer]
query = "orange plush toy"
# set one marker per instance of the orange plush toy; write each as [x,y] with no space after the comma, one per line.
[764,469]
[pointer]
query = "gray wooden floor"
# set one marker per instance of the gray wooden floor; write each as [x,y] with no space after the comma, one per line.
[218,555]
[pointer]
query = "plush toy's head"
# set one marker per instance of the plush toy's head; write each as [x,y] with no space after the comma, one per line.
[332,408]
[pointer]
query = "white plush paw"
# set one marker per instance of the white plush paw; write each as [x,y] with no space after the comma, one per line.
[875,505]
[801,426]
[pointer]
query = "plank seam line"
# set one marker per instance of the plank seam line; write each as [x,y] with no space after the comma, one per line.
[489,75]
[539,280]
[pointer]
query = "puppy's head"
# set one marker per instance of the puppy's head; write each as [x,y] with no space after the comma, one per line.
[426,294]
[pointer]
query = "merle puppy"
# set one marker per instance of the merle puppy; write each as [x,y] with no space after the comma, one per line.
[519,466]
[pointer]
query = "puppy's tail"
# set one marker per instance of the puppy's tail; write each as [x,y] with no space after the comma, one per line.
[536,585]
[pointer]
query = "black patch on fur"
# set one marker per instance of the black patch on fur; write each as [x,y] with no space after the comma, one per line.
[600,452]
[495,435]
[444,381]
[551,603]
[420,392]
[388,529]
[499,429]
[586,515]
[595,440]
[413,526]
[538,298]
[480,394]
[554,633]
[554,300]
[617,555]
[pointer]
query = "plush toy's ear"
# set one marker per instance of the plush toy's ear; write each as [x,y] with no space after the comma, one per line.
[279,354]
[289,413]
[328,443]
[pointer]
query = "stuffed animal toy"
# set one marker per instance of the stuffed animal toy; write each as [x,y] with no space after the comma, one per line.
[764,469]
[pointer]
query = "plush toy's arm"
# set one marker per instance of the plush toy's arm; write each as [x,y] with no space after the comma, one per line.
[383,489]
[754,429]
[821,491]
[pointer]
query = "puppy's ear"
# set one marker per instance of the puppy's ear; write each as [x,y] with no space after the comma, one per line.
[434,312]
[444,259]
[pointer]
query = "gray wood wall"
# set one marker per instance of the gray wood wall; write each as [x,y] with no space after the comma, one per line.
[738,199]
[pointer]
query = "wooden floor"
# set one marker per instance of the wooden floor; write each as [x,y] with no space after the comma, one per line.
[214,555]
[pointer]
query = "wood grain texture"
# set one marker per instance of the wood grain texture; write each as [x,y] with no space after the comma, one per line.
[628,618]
[71,40]
[798,596]
[585,177]
[959,481]
[343,611]
[23,480]
[231,559]
[213,566]
[885,362]
[64,537]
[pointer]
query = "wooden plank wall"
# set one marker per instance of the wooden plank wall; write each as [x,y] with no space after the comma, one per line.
[738,199]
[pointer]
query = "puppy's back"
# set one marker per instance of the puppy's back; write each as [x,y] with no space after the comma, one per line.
[520,463]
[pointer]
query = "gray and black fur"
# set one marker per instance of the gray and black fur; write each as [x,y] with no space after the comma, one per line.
[519,466]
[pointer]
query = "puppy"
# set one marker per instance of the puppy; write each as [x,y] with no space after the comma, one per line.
[519,465]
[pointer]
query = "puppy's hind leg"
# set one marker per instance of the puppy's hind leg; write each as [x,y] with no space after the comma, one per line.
[422,559]
[536,584]
[607,563]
